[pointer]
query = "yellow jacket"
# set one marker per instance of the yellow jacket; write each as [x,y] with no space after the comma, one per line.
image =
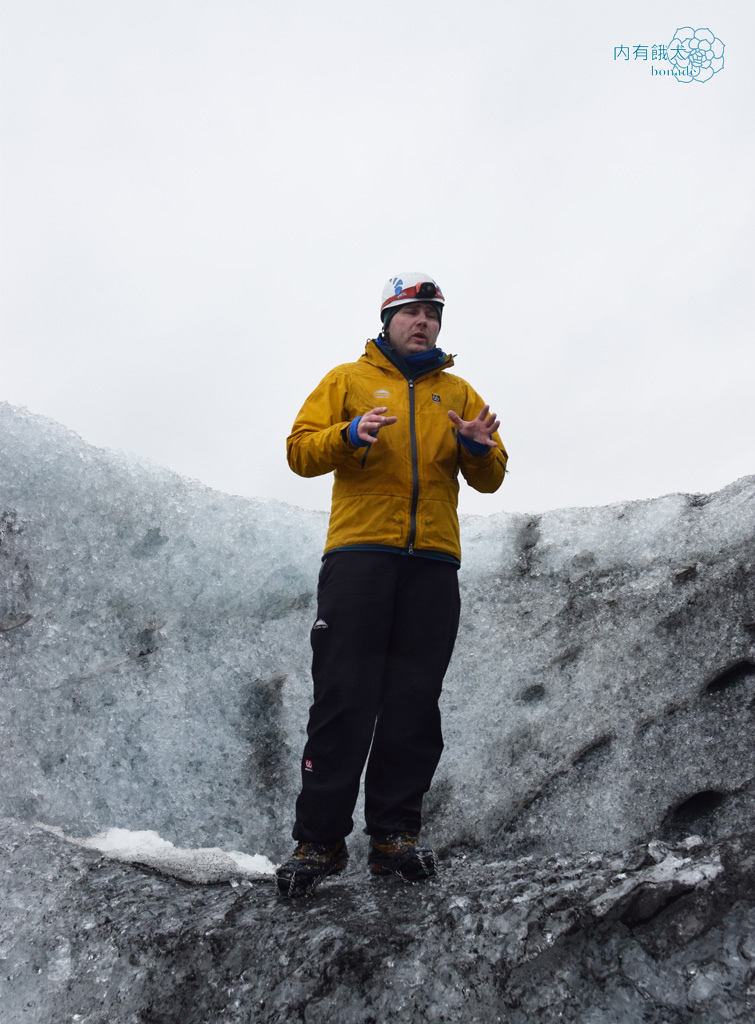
[401,492]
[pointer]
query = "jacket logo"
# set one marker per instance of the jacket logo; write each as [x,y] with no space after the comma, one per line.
[436,398]
[382,393]
[320,624]
[308,766]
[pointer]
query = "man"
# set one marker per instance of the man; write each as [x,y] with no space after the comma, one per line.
[395,428]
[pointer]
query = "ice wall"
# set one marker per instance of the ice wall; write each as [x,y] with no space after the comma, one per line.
[155,660]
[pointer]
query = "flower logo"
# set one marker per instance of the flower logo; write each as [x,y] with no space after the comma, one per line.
[697,54]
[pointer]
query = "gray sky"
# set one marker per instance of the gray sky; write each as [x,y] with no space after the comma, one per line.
[202,202]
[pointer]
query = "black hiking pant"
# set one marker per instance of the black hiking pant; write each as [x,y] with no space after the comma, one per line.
[385,630]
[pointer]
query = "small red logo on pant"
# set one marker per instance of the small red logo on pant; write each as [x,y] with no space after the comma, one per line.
[308,766]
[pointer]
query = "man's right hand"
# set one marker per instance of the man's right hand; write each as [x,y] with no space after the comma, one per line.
[371,422]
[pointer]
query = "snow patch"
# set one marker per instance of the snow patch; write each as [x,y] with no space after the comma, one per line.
[203,865]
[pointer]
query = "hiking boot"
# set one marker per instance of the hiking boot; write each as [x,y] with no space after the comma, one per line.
[308,865]
[399,853]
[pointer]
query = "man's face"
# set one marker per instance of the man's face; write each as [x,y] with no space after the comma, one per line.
[414,328]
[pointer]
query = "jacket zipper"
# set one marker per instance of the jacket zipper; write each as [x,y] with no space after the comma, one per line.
[413,437]
[415,470]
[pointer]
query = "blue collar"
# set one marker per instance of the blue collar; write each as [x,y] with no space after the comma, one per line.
[420,361]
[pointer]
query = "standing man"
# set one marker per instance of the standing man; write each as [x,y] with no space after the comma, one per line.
[395,428]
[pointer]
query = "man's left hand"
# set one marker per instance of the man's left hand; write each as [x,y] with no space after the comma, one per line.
[478,429]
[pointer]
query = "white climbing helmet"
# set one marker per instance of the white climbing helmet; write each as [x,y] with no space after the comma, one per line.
[410,287]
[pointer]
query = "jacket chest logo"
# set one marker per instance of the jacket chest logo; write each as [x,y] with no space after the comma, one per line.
[382,393]
[436,398]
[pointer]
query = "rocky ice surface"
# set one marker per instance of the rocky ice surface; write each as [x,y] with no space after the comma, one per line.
[656,933]
[594,810]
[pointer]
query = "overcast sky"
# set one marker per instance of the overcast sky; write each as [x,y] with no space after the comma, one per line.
[201,203]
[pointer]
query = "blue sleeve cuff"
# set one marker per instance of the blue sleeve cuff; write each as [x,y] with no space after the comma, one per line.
[475,447]
[353,436]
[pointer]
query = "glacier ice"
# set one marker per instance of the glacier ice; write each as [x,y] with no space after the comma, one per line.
[154,665]
[155,659]
[650,935]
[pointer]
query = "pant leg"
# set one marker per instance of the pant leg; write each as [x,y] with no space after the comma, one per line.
[350,638]
[408,740]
